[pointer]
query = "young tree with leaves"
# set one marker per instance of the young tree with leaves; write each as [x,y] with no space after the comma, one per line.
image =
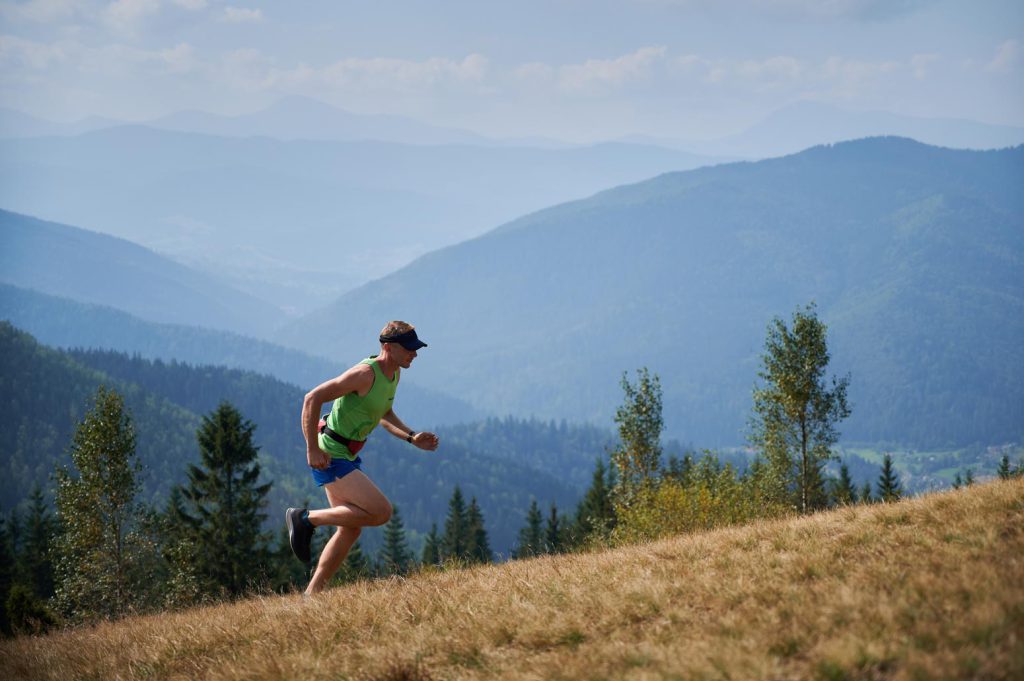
[889,487]
[100,556]
[223,506]
[637,459]
[796,410]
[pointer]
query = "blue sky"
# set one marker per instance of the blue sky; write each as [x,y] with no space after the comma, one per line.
[570,69]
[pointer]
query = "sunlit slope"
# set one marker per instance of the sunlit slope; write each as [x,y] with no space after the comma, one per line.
[925,588]
[913,254]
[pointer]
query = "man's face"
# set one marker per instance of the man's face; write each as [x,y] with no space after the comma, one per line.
[405,357]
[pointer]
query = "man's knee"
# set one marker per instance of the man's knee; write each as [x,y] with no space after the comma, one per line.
[382,514]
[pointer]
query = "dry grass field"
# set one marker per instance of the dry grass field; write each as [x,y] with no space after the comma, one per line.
[929,588]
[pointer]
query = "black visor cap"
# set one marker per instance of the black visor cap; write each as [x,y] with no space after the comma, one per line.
[408,340]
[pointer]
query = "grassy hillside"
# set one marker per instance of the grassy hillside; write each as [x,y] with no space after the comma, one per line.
[928,588]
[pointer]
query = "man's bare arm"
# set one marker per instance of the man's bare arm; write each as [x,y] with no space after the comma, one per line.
[358,379]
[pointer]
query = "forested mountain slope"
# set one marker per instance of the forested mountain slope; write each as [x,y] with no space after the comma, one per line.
[913,254]
[66,323]
[47,391]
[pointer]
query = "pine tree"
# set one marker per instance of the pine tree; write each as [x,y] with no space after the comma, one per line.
[843,490]
[478,547]
[553,532]
[969,478]
[795,413]
[531,537]
[454,543]
[35,557]
[432,547]
[637,459]
[595,515]
[865,493]
[223,507]
[6,574]
[889,488]
[958,482]
[100,559]
[1004,468]
[395,557]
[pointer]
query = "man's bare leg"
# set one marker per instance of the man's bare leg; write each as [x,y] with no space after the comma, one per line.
[355,503]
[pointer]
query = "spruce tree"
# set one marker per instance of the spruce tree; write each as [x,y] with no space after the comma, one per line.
[889,488]
[1004,468]
[100,558]
[223,507]
[531,537]
[395,558]
[865,493]
[35,557]
[478,547]
[6,574]
[454,544]
[795,411]
[958,482]
[432,547]
[969,478]
[553,542]
[595,514]
[843,491]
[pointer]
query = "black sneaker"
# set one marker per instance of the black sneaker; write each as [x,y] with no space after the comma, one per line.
[300,533]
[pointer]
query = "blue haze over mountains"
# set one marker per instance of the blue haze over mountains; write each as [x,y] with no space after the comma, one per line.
[912,253]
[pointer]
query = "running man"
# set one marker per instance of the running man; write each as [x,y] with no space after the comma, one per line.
[363,398]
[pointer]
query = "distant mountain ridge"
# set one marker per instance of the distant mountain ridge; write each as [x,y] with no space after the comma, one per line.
[914,255]
[293,221]
[66,323]
[96,268]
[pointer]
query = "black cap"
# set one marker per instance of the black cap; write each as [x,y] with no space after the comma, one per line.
[408,340]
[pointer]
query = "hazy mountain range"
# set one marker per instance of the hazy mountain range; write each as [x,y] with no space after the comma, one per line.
[294,221]
[912,253]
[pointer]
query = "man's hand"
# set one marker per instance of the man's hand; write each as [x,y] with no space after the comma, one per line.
[318,458]
[427,441]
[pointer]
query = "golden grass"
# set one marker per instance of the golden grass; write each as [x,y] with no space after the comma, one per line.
[929,588]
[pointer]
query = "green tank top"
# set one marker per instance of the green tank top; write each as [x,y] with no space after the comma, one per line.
[353,417]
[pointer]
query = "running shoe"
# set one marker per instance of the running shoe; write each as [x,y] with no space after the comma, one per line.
[300,533]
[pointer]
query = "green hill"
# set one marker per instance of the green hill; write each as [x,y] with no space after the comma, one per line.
[913,254]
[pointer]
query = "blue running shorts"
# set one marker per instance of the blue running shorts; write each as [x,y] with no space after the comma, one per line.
[337,470]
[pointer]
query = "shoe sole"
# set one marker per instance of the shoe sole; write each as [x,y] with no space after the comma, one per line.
[291,533]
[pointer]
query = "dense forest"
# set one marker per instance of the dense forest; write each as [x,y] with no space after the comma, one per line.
[503,463]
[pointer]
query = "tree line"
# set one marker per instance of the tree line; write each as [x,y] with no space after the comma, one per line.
[104,554]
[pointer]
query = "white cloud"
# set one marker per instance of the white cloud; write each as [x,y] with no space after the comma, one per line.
[180,59]
[126,15]
[387,73]
[1006,57]
[41,11]
[241,15]
[920,63]
[18,54]
[191,5]
[600,74]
